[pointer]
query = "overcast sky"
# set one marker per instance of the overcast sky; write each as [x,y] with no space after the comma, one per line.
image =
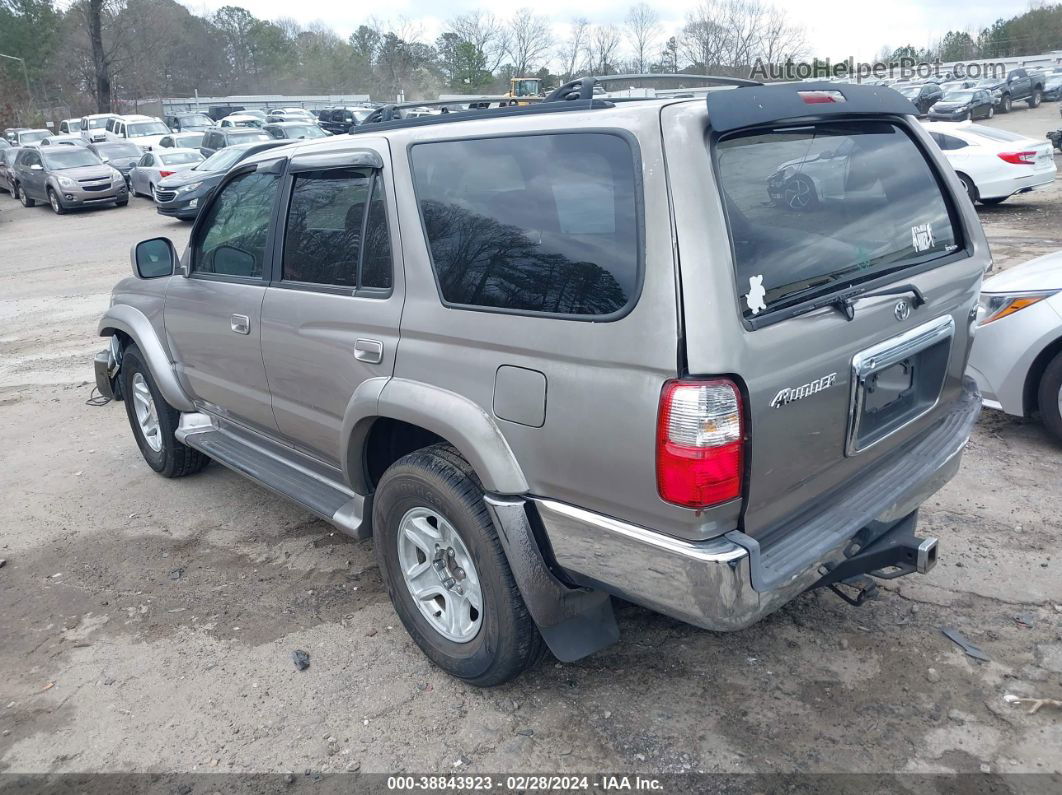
[834,29]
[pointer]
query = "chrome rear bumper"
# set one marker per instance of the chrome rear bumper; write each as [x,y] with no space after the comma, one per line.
[729,583]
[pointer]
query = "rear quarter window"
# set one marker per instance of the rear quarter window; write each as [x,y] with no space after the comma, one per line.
[542,224]
[823,207]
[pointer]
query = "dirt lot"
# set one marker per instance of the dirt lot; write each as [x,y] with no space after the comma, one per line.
[147,625]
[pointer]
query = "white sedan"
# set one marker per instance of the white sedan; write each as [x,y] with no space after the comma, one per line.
[1017,351]
[153,166]
[994,164]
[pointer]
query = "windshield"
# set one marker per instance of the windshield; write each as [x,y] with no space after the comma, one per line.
[190,141]
[197,120]
[95,124]
[820,208]
[911,91]
[180,158]
[958,96]
[361,115]
[32,136]
[221,160]
[68,157]
[139,129]
[303,131]
[73,125]
[1054,80]
[110,151]
[243,136]
[243,122]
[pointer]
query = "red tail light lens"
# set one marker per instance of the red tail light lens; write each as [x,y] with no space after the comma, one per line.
[167,173]
[821,97]
[1019,158]
[699,441]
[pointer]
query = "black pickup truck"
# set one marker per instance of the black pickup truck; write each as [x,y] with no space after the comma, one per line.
[1020,85]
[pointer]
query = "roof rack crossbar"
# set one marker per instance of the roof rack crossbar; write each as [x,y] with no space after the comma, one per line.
[583,87]
[395,123]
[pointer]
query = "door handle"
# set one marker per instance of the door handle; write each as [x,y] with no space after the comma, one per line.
[369,351]
[241,324]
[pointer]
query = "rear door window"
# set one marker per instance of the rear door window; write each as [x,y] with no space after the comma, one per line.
[534,224]
[823,207]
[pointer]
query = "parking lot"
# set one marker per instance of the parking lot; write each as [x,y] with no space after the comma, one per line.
[148,624]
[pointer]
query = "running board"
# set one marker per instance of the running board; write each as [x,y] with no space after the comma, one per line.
[270,466]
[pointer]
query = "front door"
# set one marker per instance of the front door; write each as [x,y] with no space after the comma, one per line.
[330,318]
[212,316]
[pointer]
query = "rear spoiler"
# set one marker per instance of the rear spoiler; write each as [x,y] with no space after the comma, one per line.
[753,106]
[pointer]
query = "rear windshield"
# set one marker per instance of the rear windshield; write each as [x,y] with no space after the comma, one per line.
[243,136]
[995,134]
[118,150]
[180,158]
[819,208]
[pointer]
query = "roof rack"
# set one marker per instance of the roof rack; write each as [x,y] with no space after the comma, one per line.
[583,87]
[388,120]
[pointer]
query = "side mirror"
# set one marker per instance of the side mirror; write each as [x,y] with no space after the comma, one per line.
[153,258]
[36,167]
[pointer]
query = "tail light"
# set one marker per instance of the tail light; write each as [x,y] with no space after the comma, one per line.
[699,439]
[167,173]
[1018,158]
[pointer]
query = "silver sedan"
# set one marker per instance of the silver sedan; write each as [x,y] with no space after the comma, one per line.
[153,166]
[1017,351]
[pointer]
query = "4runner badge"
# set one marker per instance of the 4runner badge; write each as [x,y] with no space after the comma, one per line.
[792,393]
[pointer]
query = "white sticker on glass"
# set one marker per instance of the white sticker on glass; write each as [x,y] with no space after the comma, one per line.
[922,237]
[755,295]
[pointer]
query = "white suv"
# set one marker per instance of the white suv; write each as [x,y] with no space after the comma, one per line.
[144,131]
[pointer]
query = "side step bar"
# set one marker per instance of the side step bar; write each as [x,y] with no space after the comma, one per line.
[276,469]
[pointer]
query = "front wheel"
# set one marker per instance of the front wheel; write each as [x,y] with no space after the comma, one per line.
[1050,397]
[57,206]
[1006,104]
[446,572]
[22,197]
[154,421]
[991,111]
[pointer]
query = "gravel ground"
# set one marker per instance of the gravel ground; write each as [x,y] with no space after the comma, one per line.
[147,625]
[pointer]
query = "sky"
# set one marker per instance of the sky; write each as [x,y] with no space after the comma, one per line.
[834,30]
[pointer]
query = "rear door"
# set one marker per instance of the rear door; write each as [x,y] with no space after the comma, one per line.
[331,314]
[830,388]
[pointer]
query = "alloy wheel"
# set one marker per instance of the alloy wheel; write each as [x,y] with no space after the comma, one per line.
[147,415]
[440,574]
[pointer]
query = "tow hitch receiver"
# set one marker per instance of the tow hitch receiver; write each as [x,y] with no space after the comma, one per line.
[894,553]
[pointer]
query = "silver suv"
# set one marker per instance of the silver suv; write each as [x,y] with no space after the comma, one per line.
[552,354]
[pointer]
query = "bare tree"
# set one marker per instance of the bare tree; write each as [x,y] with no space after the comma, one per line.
[530,39]
[485,32]
[604,49]
[732,34]
[572,53]
[780,40]
[642,31]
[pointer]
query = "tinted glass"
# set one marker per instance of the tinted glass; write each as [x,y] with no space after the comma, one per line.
[325,218]
[376,252]
[544,223]
[814,209]
[232,239]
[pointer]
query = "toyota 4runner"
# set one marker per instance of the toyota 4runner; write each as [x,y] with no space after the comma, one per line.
[702,354]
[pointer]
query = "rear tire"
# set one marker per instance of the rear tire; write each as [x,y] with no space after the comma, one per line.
[1006,104]
[160,447]
[968,184]
[991,111]
[437,485]
[1049,397]
[1036,98]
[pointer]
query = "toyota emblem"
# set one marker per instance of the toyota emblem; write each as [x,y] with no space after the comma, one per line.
[902,310]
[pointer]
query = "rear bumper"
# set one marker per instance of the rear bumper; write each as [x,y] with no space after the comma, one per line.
[729,582]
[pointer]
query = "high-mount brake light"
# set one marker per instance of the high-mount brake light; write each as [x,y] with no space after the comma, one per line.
[700,437]
[821,97]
